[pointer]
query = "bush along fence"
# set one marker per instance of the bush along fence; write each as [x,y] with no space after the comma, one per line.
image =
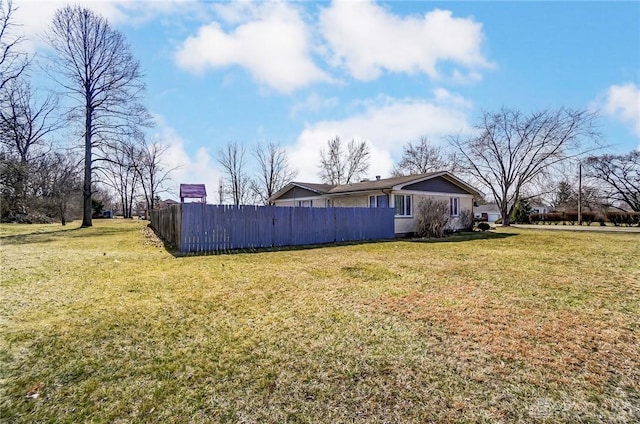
[193,227]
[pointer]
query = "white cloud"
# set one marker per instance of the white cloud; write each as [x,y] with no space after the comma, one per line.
[273,44]
[200,168]
[387,124]
[34,17]
[367,39]
[623,103]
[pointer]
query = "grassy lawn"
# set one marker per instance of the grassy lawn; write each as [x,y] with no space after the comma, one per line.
[104,325]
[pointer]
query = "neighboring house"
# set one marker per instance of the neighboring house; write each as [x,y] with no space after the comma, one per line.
[165,203]
[540,208]
[488,212]
[401,193]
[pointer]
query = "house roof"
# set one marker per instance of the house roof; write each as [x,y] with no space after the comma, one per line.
[396,183]
[318,188]
[193,191]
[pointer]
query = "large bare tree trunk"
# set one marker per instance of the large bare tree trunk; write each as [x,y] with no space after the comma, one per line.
[86,191]
[92,61]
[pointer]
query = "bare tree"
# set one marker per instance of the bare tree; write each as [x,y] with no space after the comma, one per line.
[27,121]
[236,182]
[152,172]
[13,62]
[119,172]
[274,171]
[94,65]
[618,176]
[62,182]
[512,150]
[423,157]
[340,166]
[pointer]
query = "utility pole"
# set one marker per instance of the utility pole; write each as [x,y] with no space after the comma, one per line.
[579,193]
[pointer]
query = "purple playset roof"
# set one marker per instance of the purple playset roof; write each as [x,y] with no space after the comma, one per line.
[193,191]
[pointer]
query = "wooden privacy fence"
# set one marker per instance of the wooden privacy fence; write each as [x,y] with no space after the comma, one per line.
[193,227]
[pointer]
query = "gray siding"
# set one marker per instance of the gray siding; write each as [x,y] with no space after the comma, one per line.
[436,185]
[297,192]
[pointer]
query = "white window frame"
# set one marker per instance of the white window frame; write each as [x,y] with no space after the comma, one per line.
[454,206]
[375,199]
[305,203]
[406,206]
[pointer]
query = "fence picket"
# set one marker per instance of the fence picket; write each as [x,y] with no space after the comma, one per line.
[192,227]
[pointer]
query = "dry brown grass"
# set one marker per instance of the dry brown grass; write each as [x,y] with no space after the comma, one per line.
[104,325]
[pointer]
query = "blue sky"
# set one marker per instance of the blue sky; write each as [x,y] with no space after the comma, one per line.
[299,73]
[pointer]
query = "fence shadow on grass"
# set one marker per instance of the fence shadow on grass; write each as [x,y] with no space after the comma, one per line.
[171,249]
[464,236]
[49,236]
[452,238]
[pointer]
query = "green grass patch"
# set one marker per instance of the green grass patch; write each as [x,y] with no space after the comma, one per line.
[104,325]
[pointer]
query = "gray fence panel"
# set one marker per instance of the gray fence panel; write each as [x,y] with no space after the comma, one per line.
[194,227]
[167,222]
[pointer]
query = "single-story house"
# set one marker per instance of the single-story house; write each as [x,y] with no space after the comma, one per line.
[540,208]
[488,212]
[401,193]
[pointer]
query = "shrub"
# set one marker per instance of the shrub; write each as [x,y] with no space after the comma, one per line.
[483,226]
[588,217]
[521,212]
[571,216]
[618,218]
[554,217]
[536,217]
[465,219]
[432,217]
[498,221]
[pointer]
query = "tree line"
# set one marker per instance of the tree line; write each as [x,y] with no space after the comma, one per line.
[515,158]
[97,109]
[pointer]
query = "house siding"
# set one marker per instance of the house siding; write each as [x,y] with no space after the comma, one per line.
[361,201]
[407,225]
[318,202]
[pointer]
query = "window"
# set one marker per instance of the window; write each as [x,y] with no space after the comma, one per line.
[454,205]
[402,204]
[379,201]
[305,203]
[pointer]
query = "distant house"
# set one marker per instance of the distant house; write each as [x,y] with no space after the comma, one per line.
[488,212]
[400,193]
[540,208]
[165,203]
[193,191]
